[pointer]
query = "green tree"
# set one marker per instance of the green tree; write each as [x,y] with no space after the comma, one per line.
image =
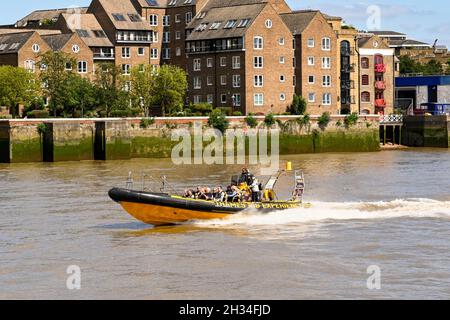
[57,75]
[17,86]
[169,89]
[80,97]
[433,67]
[218,120]
[142,78]
[109,88]
[298,106]
[408,65]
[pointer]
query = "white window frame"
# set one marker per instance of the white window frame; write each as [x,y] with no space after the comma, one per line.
[282,60]
[222,100]
[311,97]
[258,81]
[311,61]
[326,81]
[258,99]
[282,96]
[30,65]
[236,62]
[326,99]
[223,80]
[311,43]
[236,81]
[223,61]
[84,67]
[143,51]
[209,62]
[197,83]
[126,53]
[258,43]
[314,79]
[153,20]
[326,63]
[126,68]
[209,80]
[154,53]
[166,20]
[326,44]
[258,62]
[282,78]
[197,64]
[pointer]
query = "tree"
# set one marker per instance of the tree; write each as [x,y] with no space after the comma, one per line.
[218,120]
[298,106]
[433,67]
[142,78]
[57,75]
[169,89]
[17,86]
[80,97]
[408,65]
[109,87]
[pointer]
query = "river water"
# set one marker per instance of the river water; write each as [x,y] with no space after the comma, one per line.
[390,210]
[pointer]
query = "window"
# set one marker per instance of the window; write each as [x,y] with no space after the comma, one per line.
[258,99]
[326,63]
[210,98]
[223,80]
[126,53]
[30,65]
[365,96]
[215,25]
[311,79]
[258,43]
[311,61]
[36,48]
[209,80]
[153,18]
[236,62]
[82,67]
[281,41]
[188,17]
[326,81]
[118,17]
[154,36]
[282,97]
[99,33]
[269,24]
[230,24]
[126,69]
[166,21]
[197,83]
[365,63]
[68,66]
[326,44]
[197,64]
[243,23]
[75,48]
[197,99]
[311,43]
[258,81]
[282,60]
[166,37]
[326,99]
[311,97]
[223,61]
[223,98]
[177,35]
[236,81]
[365,80]
[178,51]
[166,53]
[282,78]
[258,62]
[82,33]
[236,100]
[153,53]
[134,17]
[209,62]
[177,18]
[141,51]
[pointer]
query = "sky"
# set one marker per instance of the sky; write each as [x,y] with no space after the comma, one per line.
[421,20]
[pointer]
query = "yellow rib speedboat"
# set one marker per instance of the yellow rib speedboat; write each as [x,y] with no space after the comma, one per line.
[165,209]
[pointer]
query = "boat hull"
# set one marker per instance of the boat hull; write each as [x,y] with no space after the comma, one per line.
[162,209]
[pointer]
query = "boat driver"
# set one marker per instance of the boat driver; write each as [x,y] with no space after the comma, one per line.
[245,177]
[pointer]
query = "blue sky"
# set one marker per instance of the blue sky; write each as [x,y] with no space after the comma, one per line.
[418,18]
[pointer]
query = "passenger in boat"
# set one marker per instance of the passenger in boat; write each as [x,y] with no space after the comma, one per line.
[233,194]
[219,194]
[189,193]
[246,177]
[255,190]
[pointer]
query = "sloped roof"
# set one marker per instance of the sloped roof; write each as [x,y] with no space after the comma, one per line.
[224,14]
[124,8]
[332,18]
[165,3]
[20,30]
[408,43]
[298,21]
[51,14]
[89,23]
[13,42]
[57,41]
[387,33]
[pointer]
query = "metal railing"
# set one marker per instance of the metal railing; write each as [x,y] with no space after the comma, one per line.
[392,118]
[155,184]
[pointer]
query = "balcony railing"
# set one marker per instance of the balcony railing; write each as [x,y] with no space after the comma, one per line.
[380,85]
[380,68]
[380,103]
[103,56]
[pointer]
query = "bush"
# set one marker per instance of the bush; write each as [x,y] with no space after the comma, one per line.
[304,121]
[351,120]
[298,106]
[237,114]
[42,128]
[269,120]
[38,114]
[218,120]
[251,121]
[146,122]
[324,120]
[202,108]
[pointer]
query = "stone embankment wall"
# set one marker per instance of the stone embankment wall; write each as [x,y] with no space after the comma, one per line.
[426,131]
[55,140]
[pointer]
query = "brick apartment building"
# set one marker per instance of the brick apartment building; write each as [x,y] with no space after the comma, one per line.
[247,55]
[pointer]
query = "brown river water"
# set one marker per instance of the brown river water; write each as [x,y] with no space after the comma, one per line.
[389,209]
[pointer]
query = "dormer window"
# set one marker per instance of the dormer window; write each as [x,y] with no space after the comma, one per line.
[243,23]
[134,17]
[201,15]
[172,2]
[215,25]
[230,24]
[201,27]
[187,1]
[118,17]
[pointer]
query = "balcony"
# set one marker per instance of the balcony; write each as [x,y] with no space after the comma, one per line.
[134,37]
[380,68]
[104,54]
[380,103]
[380,85]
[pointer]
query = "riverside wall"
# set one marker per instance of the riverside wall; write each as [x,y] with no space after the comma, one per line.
[54,140]
[426,131]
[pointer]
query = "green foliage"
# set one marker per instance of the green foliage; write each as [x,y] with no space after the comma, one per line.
[48,22]
[169,88]
[298,106]
[218,120]
[42,128]
[17,86]
[324,120]
[142,82]
[304,121]
[351,120]
[339,123]
[202,109]
[251,121]
[146,122]
[269,120]
[408,65]
[38,114]
[237,114]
